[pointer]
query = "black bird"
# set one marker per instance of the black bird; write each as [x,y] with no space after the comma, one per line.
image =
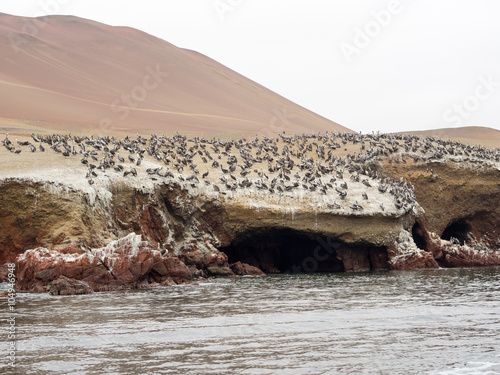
[334,206]
[355,206]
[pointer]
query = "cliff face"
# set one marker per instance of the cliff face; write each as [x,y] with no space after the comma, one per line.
[36,214]
[207,233]
[174,216]
[339,213]
[195,230]
[460,200]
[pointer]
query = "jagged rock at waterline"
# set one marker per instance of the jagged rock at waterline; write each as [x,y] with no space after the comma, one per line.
[123,264]
[63,286]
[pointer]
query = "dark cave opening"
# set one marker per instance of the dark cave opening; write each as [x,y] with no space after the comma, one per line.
[418,237]
[289,251]
[458,229]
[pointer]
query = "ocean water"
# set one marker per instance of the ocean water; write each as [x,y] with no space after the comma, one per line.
[444,321]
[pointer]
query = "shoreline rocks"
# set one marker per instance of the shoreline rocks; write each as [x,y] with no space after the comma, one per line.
[131,263]
[123,264]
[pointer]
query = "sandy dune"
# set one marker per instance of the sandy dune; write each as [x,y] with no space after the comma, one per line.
[483,136]
[67,74]
[78,74]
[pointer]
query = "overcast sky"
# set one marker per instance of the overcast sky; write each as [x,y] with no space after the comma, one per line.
[367,64]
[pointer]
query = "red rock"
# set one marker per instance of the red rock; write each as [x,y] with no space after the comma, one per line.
[215,259]
[69,249]
[167,282]
[197,273]
[159,268]
[4,273]
[146,266]
[465,256]
[241,269]
[143,255]
[46,275]
[121,270]
[193,258]
[410,261]
[30,263]
[152,225]
[378,258]
[72,270]
[355,260]
[99,276]
[220,271]
[66,286]
[123,264]
[177,270]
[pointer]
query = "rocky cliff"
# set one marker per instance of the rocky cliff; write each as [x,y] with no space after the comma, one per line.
[460,200]
[371,214]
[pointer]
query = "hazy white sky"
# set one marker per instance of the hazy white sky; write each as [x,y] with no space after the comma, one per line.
[383,65]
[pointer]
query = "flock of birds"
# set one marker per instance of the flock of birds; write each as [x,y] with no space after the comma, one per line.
[315,164]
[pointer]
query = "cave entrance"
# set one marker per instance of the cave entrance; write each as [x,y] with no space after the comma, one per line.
[289,251]
[458,229]
[417,233]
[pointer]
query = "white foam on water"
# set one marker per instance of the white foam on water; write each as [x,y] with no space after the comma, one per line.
[472,368]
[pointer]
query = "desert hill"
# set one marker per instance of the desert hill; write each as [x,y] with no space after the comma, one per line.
[483,136]
[84,75]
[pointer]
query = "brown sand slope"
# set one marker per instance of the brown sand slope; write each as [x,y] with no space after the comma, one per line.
[474,135]
[90,76]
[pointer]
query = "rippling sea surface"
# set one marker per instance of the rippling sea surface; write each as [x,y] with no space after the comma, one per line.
[444,321]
